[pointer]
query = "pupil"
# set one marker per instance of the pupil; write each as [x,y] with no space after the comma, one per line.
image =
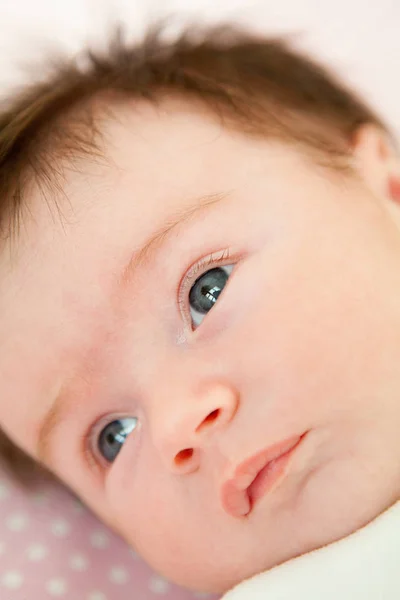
[110,438]
[206,290]
[113,436]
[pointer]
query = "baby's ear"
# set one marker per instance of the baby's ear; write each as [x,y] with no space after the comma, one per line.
[378,161]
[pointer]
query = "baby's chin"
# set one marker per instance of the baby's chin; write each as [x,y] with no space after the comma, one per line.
[207,581]
[207,574]
[217,577]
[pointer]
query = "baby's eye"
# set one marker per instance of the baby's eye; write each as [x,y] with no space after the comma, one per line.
[113,435]
[205,291]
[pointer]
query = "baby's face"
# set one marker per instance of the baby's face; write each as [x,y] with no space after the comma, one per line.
[267,319]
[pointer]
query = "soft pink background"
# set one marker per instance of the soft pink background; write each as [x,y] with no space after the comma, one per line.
[53,547]
[50,546]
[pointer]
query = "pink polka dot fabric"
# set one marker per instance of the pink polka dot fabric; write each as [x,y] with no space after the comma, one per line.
[53,547]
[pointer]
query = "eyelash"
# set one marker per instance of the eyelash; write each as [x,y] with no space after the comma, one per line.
[194,272]
[88,452]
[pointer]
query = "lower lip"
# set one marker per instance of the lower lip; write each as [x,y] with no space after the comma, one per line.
[269,476]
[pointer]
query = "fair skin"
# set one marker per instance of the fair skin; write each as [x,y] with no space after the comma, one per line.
[304,340]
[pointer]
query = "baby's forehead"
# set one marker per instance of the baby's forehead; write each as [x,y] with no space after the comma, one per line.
[147,158]
[170,144]
[179,143]
[139,136]
[146,151]
[173,127]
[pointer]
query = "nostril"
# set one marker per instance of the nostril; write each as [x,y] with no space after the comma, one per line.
[183,456]
[209,420]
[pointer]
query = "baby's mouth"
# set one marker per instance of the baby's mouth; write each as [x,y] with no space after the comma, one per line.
[257,476]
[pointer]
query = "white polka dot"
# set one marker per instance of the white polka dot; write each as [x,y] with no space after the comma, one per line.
[17,522]
[36,552]
[158,585]
[4,490]
[96,596]
[56,587]
[99,539]
[118,575]
[79,562]
[60,528]
[12,580]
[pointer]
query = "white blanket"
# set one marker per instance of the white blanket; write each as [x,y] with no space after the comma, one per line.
[362,566]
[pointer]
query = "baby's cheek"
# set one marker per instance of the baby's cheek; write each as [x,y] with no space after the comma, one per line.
[138,494]
[145,514]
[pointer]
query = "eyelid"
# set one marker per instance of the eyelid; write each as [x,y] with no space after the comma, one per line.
[220,258]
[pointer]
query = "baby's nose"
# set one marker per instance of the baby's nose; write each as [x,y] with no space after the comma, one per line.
[189,424]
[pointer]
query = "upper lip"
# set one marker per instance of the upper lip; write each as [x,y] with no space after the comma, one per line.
[235,497]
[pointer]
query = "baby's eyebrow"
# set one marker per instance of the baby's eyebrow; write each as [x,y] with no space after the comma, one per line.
[61,406]
[160,236]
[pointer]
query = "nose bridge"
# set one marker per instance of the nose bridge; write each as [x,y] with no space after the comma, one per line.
[185,419]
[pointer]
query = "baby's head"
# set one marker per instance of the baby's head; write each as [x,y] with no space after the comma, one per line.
[200,271]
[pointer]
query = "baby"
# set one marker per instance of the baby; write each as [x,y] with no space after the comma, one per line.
[200,300]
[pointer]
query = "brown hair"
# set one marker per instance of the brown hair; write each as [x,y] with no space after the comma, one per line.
[257,85]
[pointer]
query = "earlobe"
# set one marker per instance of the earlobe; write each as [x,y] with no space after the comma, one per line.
[394,188]
[377,161]
[371,143]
